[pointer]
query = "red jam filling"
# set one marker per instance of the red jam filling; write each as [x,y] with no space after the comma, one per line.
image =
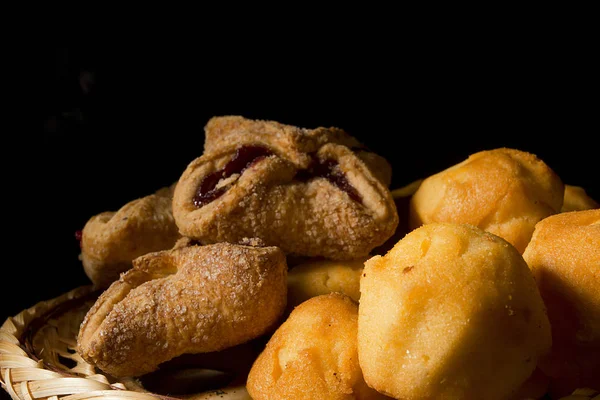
[246,156]
[329,169]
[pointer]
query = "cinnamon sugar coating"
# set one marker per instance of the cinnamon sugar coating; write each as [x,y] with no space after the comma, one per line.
[188,300]
[304,191]
[226,131]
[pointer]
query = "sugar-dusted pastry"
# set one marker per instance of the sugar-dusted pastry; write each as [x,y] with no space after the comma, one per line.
[293,188]
[504,191]
[577,199]
[450,312]
[110,240]
[188,300]
[312,355]
[231,130]
[564,256]
[316,277]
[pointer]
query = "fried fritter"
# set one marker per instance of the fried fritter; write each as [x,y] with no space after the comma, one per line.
[450,312]
[564,256]
[504,191]
[313,355]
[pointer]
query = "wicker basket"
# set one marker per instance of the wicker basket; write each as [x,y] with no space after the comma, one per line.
[38,359]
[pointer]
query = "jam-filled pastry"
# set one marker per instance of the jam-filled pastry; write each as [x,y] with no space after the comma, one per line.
[188,300]
[111,240]
[225,131]
[290,188]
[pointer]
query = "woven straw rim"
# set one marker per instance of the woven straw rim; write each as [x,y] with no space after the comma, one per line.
[26,376]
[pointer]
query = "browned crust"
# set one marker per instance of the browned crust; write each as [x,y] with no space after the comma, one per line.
[111,240]
[192,299]
[292,141]
[308,218]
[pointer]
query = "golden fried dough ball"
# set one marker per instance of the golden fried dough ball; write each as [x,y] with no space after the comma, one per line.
[315,277]
[504,191]
[450,312]
[564,256]
[312,355]
[577,199]
[189,300]
[111,240]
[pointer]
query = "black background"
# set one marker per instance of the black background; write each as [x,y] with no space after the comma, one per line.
[137,120]
[140,122]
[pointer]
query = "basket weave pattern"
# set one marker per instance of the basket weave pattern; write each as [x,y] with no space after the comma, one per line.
[38,359]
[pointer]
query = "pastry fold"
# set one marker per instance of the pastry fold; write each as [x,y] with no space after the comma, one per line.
[226,131]
[191,299]
[303,191]
[111,240]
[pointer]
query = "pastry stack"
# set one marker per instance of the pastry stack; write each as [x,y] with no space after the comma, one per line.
[479,282]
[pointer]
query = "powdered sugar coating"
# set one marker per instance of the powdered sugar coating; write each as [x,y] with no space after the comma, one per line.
[311,217]
[188,300]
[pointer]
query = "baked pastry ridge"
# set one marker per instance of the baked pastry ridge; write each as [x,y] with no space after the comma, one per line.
[111,240]
[306,197]
[192,299]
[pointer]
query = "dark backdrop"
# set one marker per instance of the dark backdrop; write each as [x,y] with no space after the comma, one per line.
[118,124]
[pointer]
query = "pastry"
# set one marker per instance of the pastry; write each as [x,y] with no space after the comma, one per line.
[293,188]
[192,299]
[227,131]
[577,199]
[312,355]
[450,312]
[504,191]
[111,240]
[316,277]
[564,256]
